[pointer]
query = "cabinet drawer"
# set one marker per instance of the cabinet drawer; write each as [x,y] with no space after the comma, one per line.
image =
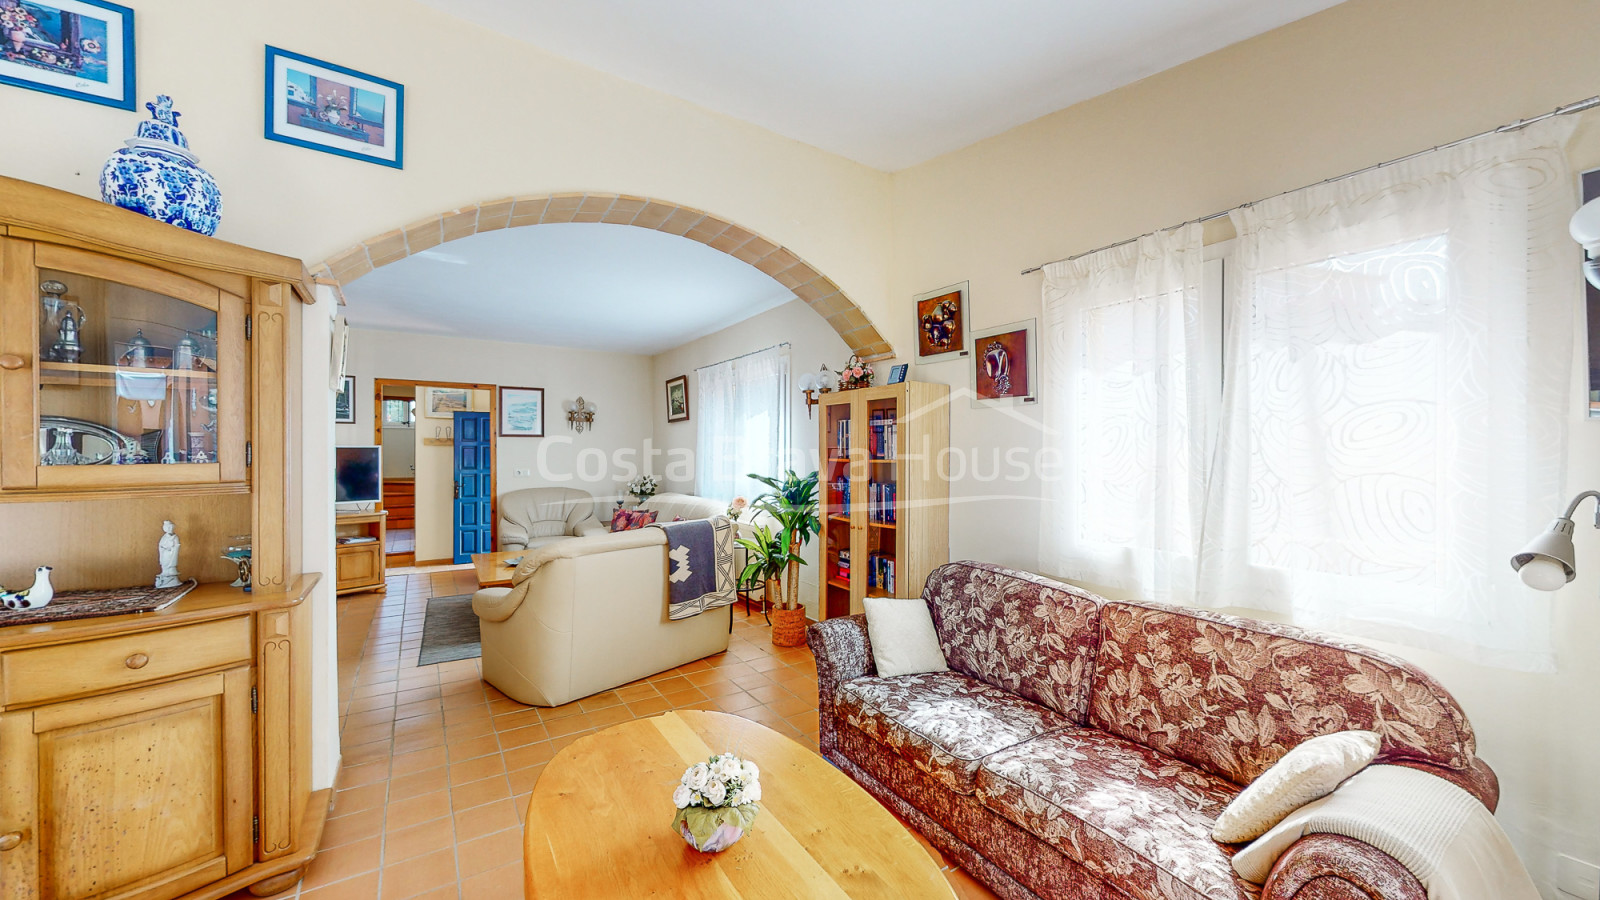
[69,670]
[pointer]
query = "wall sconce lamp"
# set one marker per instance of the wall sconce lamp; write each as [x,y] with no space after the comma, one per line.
[814,385]
[580,415]
[1549,560]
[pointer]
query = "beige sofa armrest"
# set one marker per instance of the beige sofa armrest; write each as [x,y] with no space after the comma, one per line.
[495,604]
[590,528]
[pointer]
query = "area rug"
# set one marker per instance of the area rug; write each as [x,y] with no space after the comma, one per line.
[449,631]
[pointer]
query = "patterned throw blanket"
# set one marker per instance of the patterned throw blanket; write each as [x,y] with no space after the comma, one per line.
[700,573]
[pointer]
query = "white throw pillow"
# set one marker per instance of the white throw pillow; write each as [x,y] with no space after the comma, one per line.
[1306,773]
[902,635]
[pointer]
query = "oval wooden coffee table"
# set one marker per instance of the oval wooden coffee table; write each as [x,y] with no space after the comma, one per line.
[600,822]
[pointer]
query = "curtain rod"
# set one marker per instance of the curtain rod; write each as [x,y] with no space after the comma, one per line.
[1570,108]
[742,356]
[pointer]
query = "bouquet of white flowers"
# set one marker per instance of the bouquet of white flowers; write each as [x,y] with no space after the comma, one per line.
[643,487]
[716,802]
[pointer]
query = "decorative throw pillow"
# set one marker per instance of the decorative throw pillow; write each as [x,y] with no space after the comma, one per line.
[1306,773]
[629,519]
[903,638]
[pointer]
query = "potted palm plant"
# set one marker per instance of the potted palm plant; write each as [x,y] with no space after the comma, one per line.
[792,501]
[766,556]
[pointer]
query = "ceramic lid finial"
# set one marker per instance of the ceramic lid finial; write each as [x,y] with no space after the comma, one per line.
[162,110]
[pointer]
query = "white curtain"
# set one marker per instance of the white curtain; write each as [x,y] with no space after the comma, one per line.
[1395,412]
[743,410]
[1127,407]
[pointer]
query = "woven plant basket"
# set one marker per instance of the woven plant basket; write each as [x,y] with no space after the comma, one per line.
[789,627]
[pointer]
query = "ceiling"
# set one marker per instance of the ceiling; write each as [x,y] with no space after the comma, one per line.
[888,84]
[598,287]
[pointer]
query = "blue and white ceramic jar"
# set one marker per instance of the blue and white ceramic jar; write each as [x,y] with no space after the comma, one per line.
[157,176]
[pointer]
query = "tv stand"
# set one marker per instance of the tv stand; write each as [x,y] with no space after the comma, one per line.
[361,562]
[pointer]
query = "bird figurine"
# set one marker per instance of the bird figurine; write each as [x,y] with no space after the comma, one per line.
[34,597]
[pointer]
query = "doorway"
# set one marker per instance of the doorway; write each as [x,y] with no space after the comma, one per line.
[419,459]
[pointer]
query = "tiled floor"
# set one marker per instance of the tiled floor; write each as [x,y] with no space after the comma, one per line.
[400,540]
[437,764]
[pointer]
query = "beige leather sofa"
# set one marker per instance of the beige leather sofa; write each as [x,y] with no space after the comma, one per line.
[585,616]
[533,517]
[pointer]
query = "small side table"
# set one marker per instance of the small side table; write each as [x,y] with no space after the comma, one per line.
[744,594]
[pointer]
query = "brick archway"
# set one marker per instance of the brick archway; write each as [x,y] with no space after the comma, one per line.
[784,266]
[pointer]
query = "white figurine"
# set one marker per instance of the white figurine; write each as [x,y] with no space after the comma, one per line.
[167,551]
[34,597]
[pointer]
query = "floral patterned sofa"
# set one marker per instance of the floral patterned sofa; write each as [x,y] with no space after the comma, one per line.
[1082,748]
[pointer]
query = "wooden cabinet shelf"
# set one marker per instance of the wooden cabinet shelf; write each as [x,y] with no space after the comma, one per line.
[881,495]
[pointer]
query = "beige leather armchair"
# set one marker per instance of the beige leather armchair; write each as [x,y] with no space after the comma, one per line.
[533,517]
[586,616]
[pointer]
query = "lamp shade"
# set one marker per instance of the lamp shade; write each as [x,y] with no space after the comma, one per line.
[1547,562]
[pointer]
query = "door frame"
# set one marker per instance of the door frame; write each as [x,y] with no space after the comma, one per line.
[378,384]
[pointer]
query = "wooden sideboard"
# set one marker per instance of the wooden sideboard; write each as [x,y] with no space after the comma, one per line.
[163,754]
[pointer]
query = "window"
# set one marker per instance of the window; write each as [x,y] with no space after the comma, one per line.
[400,412]
[743,407]
[1393,403]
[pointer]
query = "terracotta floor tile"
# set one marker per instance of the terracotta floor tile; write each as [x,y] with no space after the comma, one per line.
[363,887]
[470,748]
[490,852]
[416,810]
[521,737]
[531,755]
[344,862]
[569,725]
[417,760]
[414,876]
[418,840]
[349,829]
[351,800]
[418,783]
[477,769]
[649,706]
[495,884]
[486,819]
[478,793]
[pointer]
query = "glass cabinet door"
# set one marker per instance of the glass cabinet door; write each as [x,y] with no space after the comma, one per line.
[139,374]
[838,531]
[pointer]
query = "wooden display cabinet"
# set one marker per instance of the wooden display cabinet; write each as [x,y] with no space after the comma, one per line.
[884,500]
[162,754]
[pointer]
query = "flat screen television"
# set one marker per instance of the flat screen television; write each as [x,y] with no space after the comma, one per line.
[358,474]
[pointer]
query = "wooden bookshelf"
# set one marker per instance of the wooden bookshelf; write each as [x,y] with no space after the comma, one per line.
[885,506]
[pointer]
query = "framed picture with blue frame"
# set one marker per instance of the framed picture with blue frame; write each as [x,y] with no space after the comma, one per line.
[81,49]
[322,106]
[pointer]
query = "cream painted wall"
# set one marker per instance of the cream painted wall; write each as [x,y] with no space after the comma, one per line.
[811,343]
[619,385]
[1363,82]
[486,117]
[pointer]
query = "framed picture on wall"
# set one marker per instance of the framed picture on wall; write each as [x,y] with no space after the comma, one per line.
[1004,364]
[344,402]
[942,323]
[678,399]
[81,49]
[445,402]
[521,412]
[897,374]
[322,106]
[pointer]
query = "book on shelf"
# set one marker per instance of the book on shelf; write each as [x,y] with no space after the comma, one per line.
[843,565]
[881,496]
[841,437]
[842,486]
[881,435]
[880,572]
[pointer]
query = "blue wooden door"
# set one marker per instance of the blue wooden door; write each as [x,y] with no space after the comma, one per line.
[474,486]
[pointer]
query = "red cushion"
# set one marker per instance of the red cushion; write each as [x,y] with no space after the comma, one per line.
[629,519]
